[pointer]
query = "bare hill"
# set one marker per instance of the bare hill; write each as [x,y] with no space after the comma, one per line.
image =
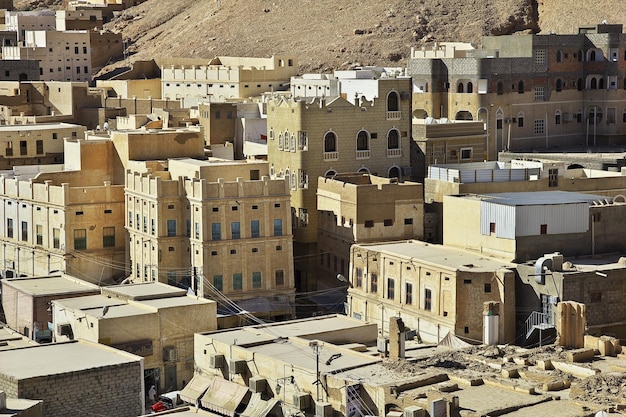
[327,34]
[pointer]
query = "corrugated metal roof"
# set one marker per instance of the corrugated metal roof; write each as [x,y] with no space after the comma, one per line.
[541,198]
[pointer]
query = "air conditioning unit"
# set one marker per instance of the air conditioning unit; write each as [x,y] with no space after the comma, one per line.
[216,361]
[302,400]
[237,367]
[382,345]
[257,384]
[65,330]
[170,354]
[414,411]
[323,410]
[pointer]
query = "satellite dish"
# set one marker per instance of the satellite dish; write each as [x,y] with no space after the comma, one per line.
[602,414]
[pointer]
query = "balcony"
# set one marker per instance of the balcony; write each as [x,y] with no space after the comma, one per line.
[331,156]
[364,154]
[394,153]
[394,115]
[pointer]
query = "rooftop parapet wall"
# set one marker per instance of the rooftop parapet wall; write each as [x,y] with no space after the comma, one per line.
[62,195]
[202,189]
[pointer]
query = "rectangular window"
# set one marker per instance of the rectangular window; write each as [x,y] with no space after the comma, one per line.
[56,238]
[610,115]
[10,228]
[25,231]
[540,57]
[108,237]
[408,299]
[466,154]
[388,222]
[187,228]
[492,227]
[391,290]
[138,221]
[428,302]
[255,228]
[153,226]
[39,146]
[359,277]
[279,276]
[369,223]
[256,280]
[237,282]
[408,222]
[235,230]
[543,229]
[23,147]
[80,239]
[539,93]
[145,224]
[278,227]
[171,227]
[218,282]
[374,282]
[487,287]
[539,127]
[39,234]
[9,149]
[196,227]
[216,231]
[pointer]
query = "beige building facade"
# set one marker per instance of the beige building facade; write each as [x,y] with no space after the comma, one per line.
[358,208]
[220,227]
[434,289]
[532,91]
[225,78]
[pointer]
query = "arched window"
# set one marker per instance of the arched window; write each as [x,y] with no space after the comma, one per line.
[592,55]
[579,84]
[393,139]
[330,173]
[393,101]
[394,172]
[580,56]
[362,141]
[500,88]
[330,142]
[559,56]
[520,119]
[520,87]
[557,117]
[470,87]
[280,141]
[559,84]
[459,88]
[363,170]
[593,84]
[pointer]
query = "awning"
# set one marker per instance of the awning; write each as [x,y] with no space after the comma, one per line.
[196,388]
[224,397]
[258,407]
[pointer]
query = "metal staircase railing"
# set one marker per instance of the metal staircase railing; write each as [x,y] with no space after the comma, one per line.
[537,320]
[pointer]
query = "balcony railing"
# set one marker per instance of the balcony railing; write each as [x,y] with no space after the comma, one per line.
[394,115]
[331,156]
[394,153]
[364,154]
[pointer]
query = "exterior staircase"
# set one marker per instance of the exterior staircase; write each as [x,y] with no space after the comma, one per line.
[537,321]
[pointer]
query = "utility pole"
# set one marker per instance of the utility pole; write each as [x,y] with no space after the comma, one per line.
[316,348]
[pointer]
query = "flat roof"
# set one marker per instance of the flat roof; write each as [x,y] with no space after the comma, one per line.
[186,300]
[305,328]
[50,285]
[10,339]
[541,198]
[439,255]
[39,126]
[144,291]
[60,358]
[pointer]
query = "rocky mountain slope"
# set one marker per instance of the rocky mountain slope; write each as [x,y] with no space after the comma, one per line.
[327,34]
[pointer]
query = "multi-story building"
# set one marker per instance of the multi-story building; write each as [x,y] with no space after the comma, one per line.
[63,56]
[78,19]
[435,289]
[142,319]
[22,21]
[532,91]
[70,221]
[225,78]
[358,208]
[35,144]
[323,136]
[220,227]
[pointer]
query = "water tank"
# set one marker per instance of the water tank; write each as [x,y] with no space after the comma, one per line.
[490,329]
